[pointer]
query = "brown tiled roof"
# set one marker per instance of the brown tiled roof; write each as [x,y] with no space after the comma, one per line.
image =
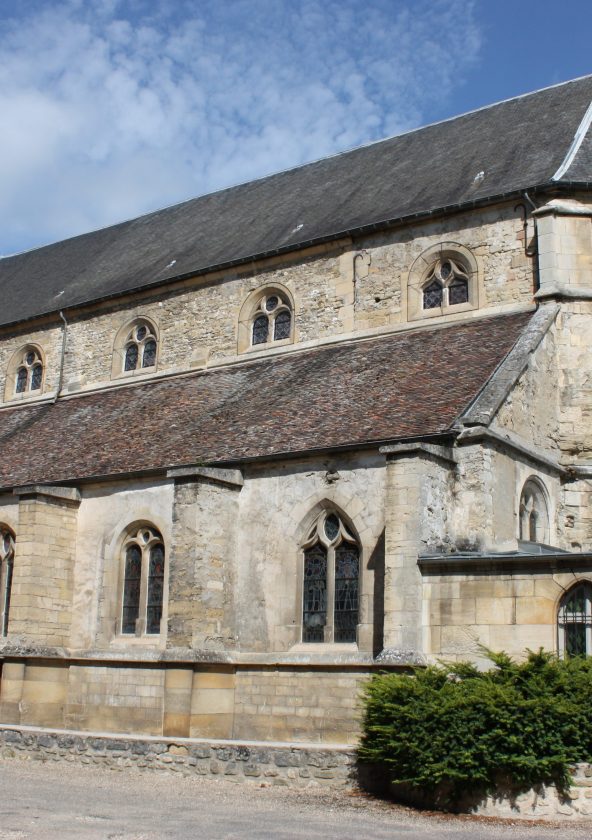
[399,386]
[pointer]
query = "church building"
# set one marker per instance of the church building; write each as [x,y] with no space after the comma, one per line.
[260,445]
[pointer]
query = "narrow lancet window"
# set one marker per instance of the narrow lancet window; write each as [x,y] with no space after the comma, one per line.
[330,582]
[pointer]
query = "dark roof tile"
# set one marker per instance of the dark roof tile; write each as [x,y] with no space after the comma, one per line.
[517,144]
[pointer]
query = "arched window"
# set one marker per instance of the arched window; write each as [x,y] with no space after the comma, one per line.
[534,517]
[136,348]
[143,582]
[28,372]
[446,284]
[272,320]
[444,279]
[6,567]
[574,621]
[331,574]
[266,318]
[140,347]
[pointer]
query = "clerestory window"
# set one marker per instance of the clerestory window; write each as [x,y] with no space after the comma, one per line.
[574,621]
[140,347]
[29,372]
[6,568]
[446,285]
[331,575]
[143,582]
[272,320]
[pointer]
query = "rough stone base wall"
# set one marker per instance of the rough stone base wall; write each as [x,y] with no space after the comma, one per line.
[296,766]
[545,802]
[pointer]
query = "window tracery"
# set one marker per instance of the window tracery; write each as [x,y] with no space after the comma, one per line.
[447,284]
[6,568]
[140,347]
[29,372]
[143,583]
[534,519]
[272,320]
[331,576]
[574,621]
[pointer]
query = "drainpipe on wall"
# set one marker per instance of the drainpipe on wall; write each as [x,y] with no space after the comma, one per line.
[64,338]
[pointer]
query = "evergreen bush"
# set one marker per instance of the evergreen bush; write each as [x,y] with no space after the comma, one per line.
[455,732]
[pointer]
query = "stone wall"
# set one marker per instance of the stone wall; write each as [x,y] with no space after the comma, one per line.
[248,761]
[197,320]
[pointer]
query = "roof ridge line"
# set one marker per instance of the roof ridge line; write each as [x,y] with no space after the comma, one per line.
[298,166]
[577,141]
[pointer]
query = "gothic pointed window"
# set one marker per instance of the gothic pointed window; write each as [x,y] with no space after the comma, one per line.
[446,284]
[331,574]
[533,514]
[143,582]
[574,621]
[6,568]
[271,320]
[29,372]
[138,347]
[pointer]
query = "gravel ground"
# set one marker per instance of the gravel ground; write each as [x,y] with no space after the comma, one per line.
[76,801]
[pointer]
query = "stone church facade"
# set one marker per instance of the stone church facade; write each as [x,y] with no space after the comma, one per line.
[265,443]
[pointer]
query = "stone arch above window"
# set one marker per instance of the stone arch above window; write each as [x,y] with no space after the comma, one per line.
[266,318]
[443,280]
[25,375]
[533,512]
[574,621]
[6,568]
[331,581]
[143,572]
[136,348]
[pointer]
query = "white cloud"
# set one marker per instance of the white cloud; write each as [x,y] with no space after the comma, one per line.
[112,108]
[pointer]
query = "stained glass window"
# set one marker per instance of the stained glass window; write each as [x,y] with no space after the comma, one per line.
[131,588]
[282,326]
[155,589]
[260,329]
[315,594]
[36,377]
[141,348]
[575,621]
[29,373]
[271,320]
[432,295]
[458,291]
[331,582]
[149,357]
[143,586]
[131,357]
[346,592]
[21,380]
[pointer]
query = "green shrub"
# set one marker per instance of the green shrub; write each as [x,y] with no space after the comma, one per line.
[453,731]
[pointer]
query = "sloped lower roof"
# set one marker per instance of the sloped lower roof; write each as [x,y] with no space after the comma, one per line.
[400,386]
[511,146]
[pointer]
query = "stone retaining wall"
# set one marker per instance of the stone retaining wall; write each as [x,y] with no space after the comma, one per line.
[290,765]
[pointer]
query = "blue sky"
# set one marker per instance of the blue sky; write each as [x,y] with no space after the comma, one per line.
[113,108]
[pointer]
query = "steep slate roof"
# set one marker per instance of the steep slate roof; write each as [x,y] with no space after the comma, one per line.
[405,385]
[517,144]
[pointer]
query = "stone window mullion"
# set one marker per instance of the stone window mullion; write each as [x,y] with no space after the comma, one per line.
[330,627]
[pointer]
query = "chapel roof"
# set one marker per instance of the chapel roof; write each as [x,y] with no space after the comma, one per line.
[362,393]
[523,143]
